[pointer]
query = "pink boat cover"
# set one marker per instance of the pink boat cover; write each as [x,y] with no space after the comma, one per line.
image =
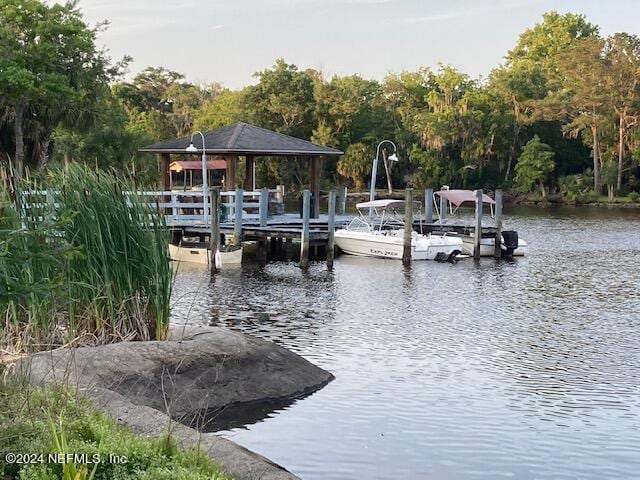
[458,197]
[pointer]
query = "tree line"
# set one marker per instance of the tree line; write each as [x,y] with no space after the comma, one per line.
[560,114]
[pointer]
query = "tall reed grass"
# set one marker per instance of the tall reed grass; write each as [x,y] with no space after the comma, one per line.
[82,260]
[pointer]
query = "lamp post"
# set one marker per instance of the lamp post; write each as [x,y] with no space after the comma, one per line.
[393,157]
[205,189]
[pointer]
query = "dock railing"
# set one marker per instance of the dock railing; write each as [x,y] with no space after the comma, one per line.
[181,208]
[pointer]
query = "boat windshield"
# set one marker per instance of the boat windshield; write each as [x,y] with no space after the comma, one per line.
[385,215]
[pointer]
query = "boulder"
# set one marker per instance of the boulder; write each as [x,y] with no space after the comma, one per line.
[197,374]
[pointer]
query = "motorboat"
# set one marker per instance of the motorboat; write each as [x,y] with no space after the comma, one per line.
[510,244]
[381,234]
[194,251]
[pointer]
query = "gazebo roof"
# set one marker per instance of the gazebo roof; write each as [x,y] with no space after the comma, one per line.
[244,139]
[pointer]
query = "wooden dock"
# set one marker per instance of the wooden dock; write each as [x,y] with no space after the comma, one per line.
[259,216]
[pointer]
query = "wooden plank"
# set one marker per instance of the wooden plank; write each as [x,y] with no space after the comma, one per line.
[478,226]
[331,227]
[497,252]
[304,243]
[408,226]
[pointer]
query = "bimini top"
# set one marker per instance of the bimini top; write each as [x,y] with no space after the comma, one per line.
[458,197]
[381,203]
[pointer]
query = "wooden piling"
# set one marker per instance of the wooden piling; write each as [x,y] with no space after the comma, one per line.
[343,200]
[497,253]
[214,236]
[408,226]
[304,239]
[443,209]
[478,227]
[264,206]
[331,226]
[237,225]
[428,205]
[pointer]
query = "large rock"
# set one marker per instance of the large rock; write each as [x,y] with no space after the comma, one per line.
[195,372]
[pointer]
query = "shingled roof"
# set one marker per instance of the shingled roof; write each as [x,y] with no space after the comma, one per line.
[244,139]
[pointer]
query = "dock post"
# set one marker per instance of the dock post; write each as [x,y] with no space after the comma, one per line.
[343,200]
[478,228]
[443,209]
[331,227]
[214,236]
[237,225]
[264,206]
[497,250]
[428,205]
[408,226]
[304,238]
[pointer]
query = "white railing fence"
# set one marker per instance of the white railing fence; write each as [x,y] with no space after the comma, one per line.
[181,208]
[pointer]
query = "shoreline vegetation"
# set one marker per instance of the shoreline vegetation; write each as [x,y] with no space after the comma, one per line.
[587,199]
[560,113]
[81,263]
[61,421]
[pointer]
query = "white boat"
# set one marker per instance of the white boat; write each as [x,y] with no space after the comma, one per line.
[511,244]
[382,235]
[198,252]
[487,246]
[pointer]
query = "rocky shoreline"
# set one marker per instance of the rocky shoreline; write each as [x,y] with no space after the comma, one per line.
[165,386]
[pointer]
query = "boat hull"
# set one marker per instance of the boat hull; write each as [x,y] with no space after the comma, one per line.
[201,256]
[366,244]
[487,247]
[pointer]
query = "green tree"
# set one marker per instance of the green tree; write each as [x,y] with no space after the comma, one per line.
[535,163]
[50,68]
[282,100]
[622,76]
[225,108]
[355,164]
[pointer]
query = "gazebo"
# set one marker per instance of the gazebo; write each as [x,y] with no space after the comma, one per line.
[244,140]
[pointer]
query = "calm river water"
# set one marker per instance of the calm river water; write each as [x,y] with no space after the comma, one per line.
[525,369]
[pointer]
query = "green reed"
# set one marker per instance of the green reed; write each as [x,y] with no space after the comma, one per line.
[99,255]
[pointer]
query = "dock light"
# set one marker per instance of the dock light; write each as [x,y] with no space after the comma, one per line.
[205,190]
[393,157]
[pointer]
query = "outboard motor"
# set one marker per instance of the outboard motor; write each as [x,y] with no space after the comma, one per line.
[509,243]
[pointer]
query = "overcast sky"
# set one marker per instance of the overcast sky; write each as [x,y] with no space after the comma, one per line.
[226,41]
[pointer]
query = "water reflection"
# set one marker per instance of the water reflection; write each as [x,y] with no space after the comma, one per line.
[526,369]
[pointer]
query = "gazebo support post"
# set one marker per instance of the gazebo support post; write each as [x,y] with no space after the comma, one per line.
[249,181]
[316,168]
[230,176]
[165,174]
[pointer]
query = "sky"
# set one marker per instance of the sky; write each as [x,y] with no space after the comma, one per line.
[227,41]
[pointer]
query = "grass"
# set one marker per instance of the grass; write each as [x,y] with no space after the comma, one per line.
[83,263]
[59,420]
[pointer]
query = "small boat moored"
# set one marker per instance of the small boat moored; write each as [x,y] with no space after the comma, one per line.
[382,235]
[511,245]
[193,251]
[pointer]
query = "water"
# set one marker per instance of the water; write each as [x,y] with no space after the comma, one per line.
[525,369]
